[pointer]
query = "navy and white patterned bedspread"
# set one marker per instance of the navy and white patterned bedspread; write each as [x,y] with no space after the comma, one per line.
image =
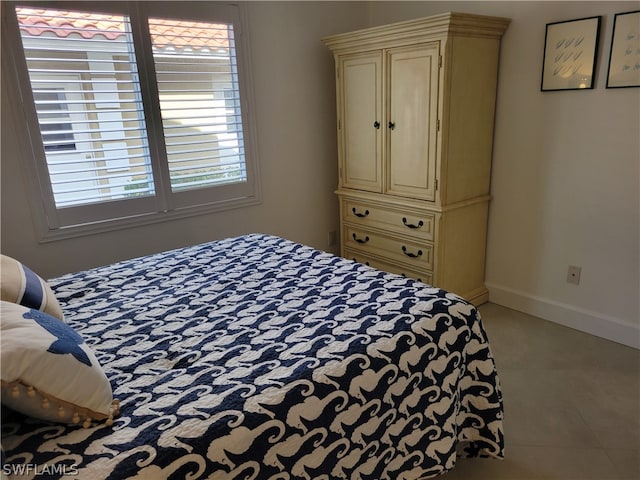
[256,357]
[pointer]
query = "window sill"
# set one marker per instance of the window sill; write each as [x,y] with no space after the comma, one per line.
[74,231]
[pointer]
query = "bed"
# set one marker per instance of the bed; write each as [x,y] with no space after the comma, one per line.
[259,358]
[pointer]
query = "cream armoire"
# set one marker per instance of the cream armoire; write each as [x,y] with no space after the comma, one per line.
[415,105]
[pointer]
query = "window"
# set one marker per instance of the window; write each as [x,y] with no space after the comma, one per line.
[137,114]
[55,122]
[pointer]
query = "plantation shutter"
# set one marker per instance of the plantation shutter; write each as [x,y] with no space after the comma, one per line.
[199,95]
[86,90]
[133,112]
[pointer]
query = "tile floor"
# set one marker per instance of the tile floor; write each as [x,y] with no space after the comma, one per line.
[571,400]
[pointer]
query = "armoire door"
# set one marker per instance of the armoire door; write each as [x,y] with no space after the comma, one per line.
[361,128]
[412,129]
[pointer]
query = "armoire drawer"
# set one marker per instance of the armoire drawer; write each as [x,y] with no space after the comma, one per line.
[417,255]
[405,223]
[423,276]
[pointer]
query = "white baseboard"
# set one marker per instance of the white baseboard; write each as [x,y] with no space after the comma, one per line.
[586,321]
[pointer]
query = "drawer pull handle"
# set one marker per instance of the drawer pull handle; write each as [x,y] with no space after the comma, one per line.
[364,263]
[419,225]
[376,125]
[359,240]
[392,125]
[406,276]
[358,214]
[409,254]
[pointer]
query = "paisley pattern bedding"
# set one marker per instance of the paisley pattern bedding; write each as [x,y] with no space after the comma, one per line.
[256,357]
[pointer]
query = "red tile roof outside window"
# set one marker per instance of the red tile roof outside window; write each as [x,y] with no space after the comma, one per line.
[165,34]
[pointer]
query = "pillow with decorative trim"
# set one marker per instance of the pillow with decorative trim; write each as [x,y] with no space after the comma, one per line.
[49,372]
[19,284]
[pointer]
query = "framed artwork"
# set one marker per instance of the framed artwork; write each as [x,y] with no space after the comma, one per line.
[624,58]
[570,50]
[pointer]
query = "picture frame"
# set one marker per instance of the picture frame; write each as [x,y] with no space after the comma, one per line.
[624,57]
[570,50]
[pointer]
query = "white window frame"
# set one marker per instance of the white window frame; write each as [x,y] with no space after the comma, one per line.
[58,223]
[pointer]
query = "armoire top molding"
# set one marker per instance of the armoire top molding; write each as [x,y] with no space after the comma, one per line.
[421,29]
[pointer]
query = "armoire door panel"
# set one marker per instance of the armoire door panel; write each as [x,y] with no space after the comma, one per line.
[361,121]
[412,122]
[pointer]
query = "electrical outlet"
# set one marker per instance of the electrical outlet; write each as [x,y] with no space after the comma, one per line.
[332,238]
[573,274]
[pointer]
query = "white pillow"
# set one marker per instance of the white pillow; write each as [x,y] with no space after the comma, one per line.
[49,372]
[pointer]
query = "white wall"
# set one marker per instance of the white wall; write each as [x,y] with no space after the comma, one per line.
[295,110]
[565,179]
